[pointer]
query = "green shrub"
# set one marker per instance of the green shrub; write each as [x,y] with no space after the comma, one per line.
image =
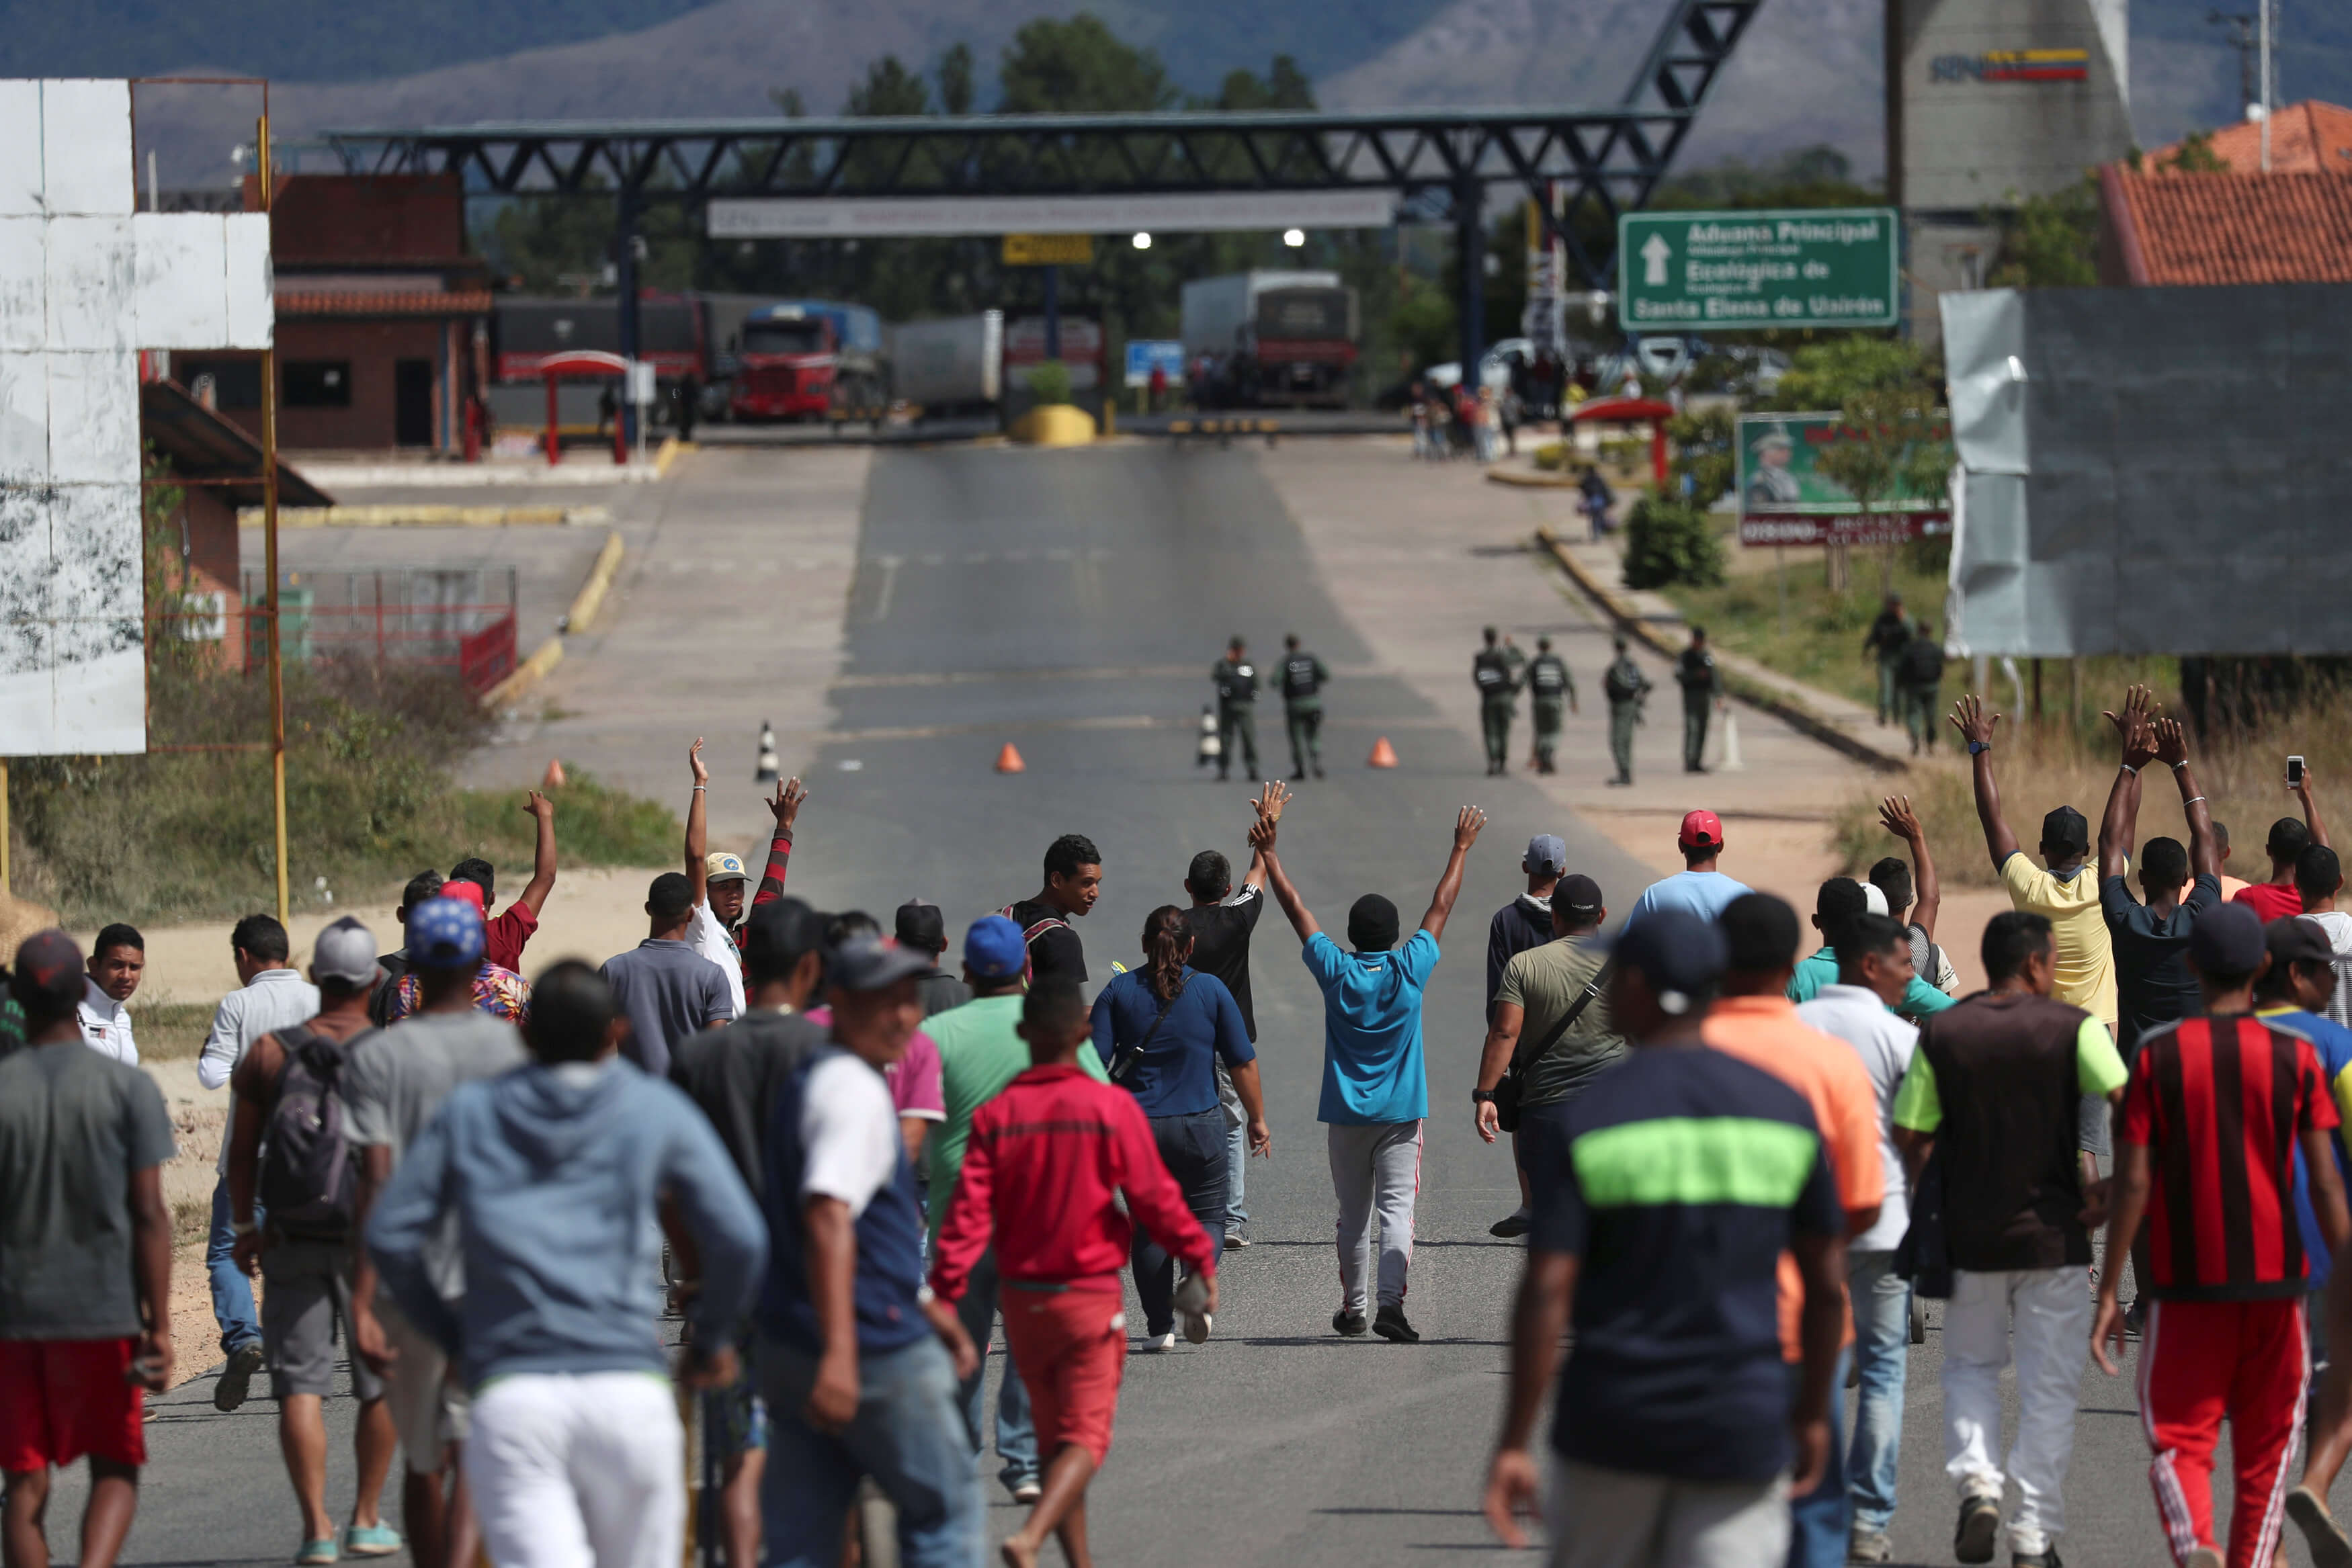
[1552,456]
[1049,382]
[1668,541]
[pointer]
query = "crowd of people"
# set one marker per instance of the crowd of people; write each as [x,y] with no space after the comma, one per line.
[843,1167]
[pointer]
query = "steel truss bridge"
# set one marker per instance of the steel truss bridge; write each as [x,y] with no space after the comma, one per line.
[1437,162]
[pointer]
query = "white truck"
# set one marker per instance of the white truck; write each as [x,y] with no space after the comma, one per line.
[1271,337]
[948,365]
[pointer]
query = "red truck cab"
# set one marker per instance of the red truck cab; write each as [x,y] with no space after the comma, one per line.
[784,367]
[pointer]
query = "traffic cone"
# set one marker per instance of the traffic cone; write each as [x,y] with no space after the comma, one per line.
[553,777]
[1383,754]
[771,767]
[1731,761]
[1009,760]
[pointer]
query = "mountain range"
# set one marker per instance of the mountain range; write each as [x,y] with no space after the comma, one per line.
[1807,73]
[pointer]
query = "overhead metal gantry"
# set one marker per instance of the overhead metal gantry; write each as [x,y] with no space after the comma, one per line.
[1444,162]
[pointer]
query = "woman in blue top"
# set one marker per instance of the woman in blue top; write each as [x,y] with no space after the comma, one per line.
[1160,1029]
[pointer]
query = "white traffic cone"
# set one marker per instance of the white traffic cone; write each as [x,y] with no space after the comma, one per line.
[1731,761]
[771,767]
[1212,744]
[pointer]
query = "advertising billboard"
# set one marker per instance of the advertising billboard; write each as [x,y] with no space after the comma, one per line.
[1785,497]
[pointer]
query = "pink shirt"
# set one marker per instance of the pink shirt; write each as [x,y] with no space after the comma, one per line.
[914,1079]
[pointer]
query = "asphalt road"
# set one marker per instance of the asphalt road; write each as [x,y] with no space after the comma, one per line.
[1071,602]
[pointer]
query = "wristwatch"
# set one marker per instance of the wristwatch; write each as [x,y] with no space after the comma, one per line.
[1482,1097]
[1978,745]
[243,1227]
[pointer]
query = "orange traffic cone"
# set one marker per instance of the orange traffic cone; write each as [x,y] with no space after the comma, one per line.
[553,778]
[1009,760]
[1383,754]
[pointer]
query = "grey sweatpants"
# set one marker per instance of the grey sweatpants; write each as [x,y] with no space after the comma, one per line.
[1375,1166]
[1616,1519]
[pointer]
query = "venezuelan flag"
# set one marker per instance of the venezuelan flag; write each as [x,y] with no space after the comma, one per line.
[2037,65]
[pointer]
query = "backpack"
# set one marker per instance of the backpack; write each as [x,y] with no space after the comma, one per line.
[1029,933]
[1623,683]
[310,1178]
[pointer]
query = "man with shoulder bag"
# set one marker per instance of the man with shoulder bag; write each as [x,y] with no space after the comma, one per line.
[1551,1033]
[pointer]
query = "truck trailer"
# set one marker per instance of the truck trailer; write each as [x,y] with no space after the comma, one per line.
[1271,337]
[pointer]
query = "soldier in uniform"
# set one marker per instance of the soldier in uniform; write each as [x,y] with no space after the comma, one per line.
[1923,672]
[1235,679]
[1624,686]
[1498,685]
[1702,685]
[1549,683]
[1303,675]
[1889,638]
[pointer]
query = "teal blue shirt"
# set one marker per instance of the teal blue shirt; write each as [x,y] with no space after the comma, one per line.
[1820,970]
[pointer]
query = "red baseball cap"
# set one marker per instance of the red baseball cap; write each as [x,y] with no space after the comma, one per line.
[465,891]
[1701,831]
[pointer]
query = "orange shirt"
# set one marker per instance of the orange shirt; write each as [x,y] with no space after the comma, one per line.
[1765,1032]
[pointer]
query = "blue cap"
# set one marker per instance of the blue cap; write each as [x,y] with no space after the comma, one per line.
[1546,852]
[445,933]
[1681,955]
[993,950]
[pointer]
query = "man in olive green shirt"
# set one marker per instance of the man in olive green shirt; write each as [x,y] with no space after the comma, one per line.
[1539,987]
[979,1054]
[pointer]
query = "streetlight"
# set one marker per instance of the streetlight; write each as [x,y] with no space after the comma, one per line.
[1143,242]
[1294,238]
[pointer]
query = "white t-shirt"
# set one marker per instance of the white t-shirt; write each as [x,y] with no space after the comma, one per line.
[1885,1043]
[2339,926]
[707,937]
[850,1143]
[106,1025]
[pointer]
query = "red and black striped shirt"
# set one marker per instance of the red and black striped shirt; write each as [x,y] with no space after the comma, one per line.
[2219,1104]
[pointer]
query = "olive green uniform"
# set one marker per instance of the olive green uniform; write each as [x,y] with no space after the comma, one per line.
[1889,637]
[1236,684]
[1549,689]
[1702,685]
[1625,685]
[1498,687]
[1303,676]
[1923,673]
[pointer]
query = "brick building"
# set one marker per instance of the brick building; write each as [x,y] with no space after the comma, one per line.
[382,319]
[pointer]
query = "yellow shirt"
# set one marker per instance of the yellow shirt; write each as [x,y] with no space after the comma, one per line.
[2085,956]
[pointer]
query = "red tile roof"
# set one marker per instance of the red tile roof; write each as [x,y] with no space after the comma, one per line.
[2306,138]
[421,302]
[2177,229]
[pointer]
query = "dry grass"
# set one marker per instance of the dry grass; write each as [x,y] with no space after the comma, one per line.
[2242,777]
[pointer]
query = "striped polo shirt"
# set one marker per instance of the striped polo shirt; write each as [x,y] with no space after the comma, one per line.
[2219,1104]
[1677,1178]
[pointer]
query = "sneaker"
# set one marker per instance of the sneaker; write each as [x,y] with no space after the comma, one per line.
[377,1539]
[1235,1236]
[1197,1326]
[2048,1558]
[1973,1538]
[2329,1549]
[1192,1308]
[1027,1491]
[1160,1341]
[1518,1222]
[2135,1319]
[1390,1324]
[1869,1546]
[1350,1324]
[236,1381]
[315,1552]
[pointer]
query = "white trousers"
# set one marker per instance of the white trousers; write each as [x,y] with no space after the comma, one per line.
[584,1471]
[2042,1318]
[1375,1166]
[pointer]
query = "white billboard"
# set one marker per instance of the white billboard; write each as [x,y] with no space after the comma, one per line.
[914,218]
[85,283]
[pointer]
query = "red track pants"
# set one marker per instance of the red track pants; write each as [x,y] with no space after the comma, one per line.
[2199,1362]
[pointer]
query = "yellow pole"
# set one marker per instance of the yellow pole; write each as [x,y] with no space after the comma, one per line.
[269,557]
[5,885]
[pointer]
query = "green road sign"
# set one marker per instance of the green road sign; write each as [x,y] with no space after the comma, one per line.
[1822,266]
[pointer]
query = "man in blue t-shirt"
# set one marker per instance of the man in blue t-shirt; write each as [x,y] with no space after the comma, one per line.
[1698,887]
[1375,1086]
[1664,1197]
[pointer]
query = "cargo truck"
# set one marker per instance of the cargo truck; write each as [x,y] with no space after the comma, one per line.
[810,359]
[1271,337]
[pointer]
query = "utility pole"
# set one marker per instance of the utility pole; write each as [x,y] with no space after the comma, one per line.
[2244,38]
[2268,6]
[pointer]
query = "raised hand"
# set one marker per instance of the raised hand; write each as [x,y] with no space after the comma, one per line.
[539,806]
[2171,742]
[786,806]
[1975,725]
[1467,826]
[1270,799]
[694,760]
[1894,814]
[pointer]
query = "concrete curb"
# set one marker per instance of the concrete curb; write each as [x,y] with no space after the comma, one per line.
[422,517]
[550,653]
[1526,481]
[1631,622]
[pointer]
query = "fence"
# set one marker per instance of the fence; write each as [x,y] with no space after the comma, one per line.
[461,619]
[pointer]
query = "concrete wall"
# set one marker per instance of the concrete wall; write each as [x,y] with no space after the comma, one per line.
[1969,142]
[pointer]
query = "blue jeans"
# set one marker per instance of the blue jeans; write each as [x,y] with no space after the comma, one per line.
[1882,1344]
[1229,1105]
[240,1325]
[1016,1439]
[1193,1149]
[1817,1521]
[906,1435]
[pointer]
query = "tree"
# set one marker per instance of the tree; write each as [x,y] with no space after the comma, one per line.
[890,89]
[2051,241]
[1284,86]
[1895,441]
[955,80]
[1056,66]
